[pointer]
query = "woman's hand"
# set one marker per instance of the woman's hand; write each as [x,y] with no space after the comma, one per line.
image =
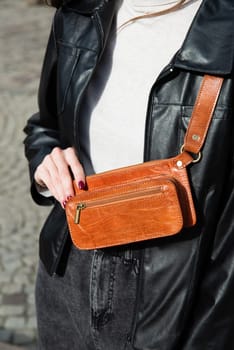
[54,173]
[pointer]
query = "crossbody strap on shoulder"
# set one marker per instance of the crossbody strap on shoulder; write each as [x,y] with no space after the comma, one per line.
[202,113]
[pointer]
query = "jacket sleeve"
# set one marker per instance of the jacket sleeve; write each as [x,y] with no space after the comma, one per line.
[212,322]
[42,128]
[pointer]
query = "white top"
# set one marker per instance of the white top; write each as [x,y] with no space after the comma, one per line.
[112,122]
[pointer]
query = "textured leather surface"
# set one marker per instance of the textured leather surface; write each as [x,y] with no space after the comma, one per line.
[132,204]
[124,213]
[202,113]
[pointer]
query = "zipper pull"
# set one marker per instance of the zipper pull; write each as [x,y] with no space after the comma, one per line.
[79,207]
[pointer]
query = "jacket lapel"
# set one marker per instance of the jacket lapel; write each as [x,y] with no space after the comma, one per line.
[208,46]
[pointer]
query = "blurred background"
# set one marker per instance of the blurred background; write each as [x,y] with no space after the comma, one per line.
[24,29]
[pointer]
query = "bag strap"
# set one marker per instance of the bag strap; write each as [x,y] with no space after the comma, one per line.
[202,114]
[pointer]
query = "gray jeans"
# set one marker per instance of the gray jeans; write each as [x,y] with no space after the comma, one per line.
[92,306]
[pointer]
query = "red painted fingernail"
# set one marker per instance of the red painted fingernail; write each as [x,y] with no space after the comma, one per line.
[64,204]
[68,197]
[81,185]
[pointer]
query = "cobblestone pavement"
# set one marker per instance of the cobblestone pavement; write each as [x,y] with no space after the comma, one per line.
[23,34]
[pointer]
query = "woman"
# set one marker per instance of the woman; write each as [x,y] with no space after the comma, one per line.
[118,85]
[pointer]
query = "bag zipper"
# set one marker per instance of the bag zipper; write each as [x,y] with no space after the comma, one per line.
[118,198]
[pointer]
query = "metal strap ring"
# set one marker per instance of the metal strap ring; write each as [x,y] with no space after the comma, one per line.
[196,157]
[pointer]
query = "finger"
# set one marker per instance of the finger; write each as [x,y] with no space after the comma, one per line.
[76,167]
[63,172]
[42,177]
[48,173]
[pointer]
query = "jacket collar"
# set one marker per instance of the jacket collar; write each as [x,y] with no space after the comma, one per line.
[86,6]
[209,44]
[102,10]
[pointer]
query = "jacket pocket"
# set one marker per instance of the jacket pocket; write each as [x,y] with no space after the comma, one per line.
[68,57]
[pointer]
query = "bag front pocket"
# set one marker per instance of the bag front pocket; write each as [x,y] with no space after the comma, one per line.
[124,214]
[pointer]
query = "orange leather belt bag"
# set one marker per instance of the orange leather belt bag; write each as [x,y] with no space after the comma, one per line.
[144,201]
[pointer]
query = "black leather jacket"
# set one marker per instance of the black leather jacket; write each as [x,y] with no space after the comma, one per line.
[185,299]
